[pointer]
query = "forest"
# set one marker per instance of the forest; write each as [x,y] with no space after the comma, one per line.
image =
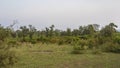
[48,44]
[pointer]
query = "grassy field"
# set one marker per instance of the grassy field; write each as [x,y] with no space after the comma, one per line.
[59,56]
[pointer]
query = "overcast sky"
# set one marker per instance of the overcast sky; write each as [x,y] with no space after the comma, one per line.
[61,13]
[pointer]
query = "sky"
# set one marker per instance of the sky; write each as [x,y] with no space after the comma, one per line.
[62,13]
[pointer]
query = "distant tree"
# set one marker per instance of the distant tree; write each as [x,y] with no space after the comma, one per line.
[96,27]
[69,32]
[32,31]
[81,29]
[57,32]
[63,33]
[91,29]
[75,32]
[108,30]
[24,32]
[88,30]
[52,30]
[47,32]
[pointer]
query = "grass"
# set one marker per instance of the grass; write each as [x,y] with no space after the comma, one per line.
[59,56]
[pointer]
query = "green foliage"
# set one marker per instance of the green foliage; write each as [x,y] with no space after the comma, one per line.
[33,41]
[43,39]
[12,42]
[3,33]
[117,39]
[108,30]
[111,47]
[79,47]
[7,57]
[78,50]
[54,40]
[61,42]
[96,51]
[93,43]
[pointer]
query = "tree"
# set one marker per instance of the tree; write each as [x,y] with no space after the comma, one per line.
[3,33]
[57,32]
[24,32]
[32,30]
[91,29]
[81,29]
[96,27]
[47,32]
[88,30]
[75,32]
[108,30]
[69,32]
[52,30]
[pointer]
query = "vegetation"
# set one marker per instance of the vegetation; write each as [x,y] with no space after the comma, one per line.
[59,56]
[86,40]
[7,56]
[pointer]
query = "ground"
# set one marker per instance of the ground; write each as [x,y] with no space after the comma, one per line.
[59,56]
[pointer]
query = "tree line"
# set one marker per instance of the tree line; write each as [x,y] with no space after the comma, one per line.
[50,34]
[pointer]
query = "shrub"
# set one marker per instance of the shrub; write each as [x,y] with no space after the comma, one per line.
[111,47]
[117,39]
[33,41]
[44,39]
[97,51]
[93,43]
[7,57]
[77,52]
[62,41]
[54,40]
[12,43]
[77,49]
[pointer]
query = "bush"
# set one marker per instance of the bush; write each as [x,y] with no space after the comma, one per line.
[97,51]
[111,47]
[60,42]
[54,40]
[117,39]
[7,57]
[12,43]
[77,52]
[77,49]
[44,39]
[33,41]
[93,43]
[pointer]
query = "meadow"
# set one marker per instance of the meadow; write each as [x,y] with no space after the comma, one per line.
[60,56]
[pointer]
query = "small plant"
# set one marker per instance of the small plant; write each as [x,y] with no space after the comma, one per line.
[60,42]
[12,43]
[97,51]
[33,41]
[78,50]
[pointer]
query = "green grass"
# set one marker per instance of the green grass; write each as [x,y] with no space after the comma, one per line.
[59,56]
